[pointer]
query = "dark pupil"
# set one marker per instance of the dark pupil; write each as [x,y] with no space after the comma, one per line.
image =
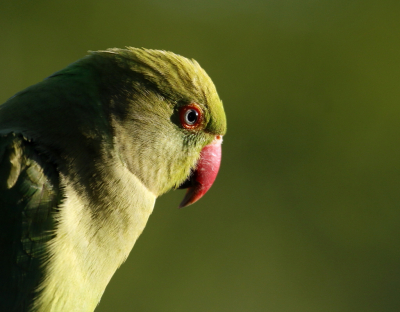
[191,116]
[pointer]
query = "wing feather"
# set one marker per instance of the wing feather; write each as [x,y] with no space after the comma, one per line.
[29,197]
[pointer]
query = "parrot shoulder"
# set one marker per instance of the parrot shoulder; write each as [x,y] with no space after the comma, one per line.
[29,197]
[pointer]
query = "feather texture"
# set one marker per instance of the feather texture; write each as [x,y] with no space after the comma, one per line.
[29,196]
[83,156]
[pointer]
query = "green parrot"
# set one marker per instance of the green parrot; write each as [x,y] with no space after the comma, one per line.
[83,156]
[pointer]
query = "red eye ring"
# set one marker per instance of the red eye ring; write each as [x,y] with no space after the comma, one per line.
[191,116]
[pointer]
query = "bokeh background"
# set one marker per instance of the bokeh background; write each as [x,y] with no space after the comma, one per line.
[305,213]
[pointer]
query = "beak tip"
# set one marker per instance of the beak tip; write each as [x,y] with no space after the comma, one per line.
[192,195]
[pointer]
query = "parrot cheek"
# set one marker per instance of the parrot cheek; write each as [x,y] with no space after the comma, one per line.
[206,171]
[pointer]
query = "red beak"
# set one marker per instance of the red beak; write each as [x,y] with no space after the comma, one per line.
[204,176]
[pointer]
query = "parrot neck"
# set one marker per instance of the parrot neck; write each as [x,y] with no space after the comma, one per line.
[93,240]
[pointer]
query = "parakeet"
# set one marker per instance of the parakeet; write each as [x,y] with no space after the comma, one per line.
[83,156]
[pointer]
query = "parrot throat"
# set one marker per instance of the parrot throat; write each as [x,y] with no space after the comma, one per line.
[93,238]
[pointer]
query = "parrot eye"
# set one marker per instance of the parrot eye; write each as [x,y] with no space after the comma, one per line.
[190,116]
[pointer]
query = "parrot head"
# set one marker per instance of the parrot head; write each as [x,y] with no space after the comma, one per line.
[166,117]
[88,150]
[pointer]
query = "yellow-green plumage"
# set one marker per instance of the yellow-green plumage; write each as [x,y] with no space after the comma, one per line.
[83,156]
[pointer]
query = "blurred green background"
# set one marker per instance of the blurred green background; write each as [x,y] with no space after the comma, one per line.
[305,213]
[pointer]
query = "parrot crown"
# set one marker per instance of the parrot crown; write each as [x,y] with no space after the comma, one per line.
[175,77]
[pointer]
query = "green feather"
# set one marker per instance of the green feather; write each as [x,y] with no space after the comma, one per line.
[83,156]
[28,199]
